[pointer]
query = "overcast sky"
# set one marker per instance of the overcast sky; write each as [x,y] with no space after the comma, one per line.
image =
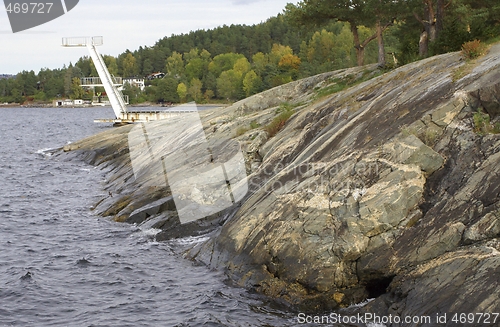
[124,24]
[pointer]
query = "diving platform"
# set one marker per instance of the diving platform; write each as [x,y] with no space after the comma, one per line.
[114,96]
[109,82]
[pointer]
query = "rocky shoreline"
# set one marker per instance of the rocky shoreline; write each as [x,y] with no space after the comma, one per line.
[387,189]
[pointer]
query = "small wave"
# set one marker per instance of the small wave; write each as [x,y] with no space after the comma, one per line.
[83,262]
[48,152]
[191,240]
[151,232]
[362,304]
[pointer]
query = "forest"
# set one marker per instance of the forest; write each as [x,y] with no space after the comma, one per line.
[229,63]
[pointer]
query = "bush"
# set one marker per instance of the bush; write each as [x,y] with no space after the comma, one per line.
[481,122]
[254,124]
[472,49]
[241,130]
[285,112]
[483,125]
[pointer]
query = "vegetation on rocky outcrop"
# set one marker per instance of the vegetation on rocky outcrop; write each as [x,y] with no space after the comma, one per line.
[386,189]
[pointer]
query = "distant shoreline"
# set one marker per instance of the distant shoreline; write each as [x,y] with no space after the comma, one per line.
[50,105]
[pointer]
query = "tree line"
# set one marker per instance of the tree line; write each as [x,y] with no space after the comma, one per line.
[231,62]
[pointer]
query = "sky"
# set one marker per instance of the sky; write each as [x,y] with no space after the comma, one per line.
[124,24]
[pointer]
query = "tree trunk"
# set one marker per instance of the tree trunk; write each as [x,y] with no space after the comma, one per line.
[432,32]
[423,44]
[360,55]
[429,33]
[439,17]
[360,47]
[381,48]
[360,50]
[430,24]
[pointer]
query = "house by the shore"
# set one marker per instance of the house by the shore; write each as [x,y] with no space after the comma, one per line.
[69,103]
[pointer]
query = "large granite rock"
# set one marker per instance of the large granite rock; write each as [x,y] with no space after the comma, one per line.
[383,190]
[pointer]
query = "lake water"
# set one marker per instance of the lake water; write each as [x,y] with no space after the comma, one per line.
[60,265]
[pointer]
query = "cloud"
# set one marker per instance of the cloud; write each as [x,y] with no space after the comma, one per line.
[124,25]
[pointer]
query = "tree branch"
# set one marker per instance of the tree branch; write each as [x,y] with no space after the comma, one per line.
[432,14]
[374,36]
[418,18]
[371,38]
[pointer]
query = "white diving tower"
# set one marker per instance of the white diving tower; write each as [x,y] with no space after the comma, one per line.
[110,83]
[115,97]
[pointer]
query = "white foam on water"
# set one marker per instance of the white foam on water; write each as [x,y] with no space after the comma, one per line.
[362,304]
[191,240]
[150,231]
[48,152]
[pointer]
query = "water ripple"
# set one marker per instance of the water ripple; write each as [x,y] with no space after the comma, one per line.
[62,266]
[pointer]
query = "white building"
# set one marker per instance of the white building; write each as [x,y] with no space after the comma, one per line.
[67,103]
[138,82]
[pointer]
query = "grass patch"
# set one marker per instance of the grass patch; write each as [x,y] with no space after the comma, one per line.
[285,107]
[254,124]
[243,129]
[492,40]
[285,111]
[462,71]
[340,84]
[483,125]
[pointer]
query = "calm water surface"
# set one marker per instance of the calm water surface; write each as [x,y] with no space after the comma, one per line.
[62,266]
